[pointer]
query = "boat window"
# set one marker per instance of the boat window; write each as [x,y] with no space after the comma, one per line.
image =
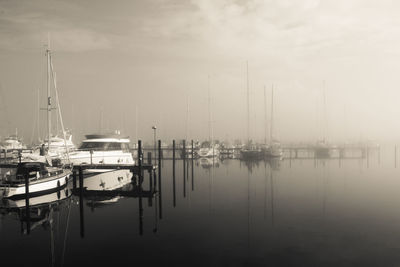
[114,146]
[125,147]
[102,146]
[205,144]
[30,169]
[94,145]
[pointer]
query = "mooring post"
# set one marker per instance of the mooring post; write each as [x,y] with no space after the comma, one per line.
[150,172]
[81,213]
[140,158]
[80,179]
[184,149]
[184,167]
[140,211]
[27,207]
[192,166]
[159,179]
[173,173]
[74,179]
[173,150]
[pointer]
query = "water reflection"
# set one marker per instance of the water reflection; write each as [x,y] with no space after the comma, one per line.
[230,212]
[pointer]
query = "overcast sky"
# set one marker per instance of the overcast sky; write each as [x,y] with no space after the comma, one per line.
[156,56]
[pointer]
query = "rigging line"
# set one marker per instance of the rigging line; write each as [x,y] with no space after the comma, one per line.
[59,109]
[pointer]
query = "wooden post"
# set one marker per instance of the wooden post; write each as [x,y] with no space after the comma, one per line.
[27,207]
[140,211]
[184,149]
[173,173]
[159,179]
[140,158]
[74,179]
[81,212]
[184,167]
[192,166]
[173,150]
[150,172]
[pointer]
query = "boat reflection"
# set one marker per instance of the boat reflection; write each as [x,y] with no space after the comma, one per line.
[208,163]
[274,163]
[108,188]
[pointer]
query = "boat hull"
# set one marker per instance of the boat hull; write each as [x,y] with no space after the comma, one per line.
[36,188]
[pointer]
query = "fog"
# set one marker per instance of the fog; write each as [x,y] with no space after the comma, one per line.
[129,65]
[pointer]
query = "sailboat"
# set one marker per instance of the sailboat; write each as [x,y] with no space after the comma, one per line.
[57,147]
[209,149]
[250,151]
[33,175]
[322,148]
[274,149]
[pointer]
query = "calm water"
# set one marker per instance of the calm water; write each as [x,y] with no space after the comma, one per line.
[229,213]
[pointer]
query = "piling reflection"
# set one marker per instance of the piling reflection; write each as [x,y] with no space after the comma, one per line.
[107,188]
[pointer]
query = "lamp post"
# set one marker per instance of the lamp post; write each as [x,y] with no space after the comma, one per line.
[155,141]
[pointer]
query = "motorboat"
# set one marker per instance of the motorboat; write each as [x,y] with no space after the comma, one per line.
[251,152]
[103,149]
[274,150]
[42,179]
[58,147]
[208,150]
[12,143]
[322,149]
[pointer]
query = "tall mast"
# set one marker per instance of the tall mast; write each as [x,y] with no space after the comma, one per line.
[38,114]
[265,117]
[209,111]
[187,118]
[48,54]
[272,115]
[325,123]
[248,104]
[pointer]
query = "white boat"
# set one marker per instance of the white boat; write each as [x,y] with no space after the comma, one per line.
[12,143]
[58,147]
[46,199]
[43,179]
[208,150]
[103,149]
[274,149]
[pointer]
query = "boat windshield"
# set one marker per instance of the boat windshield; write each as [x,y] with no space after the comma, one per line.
[205,144]
[30,169]
[104,146]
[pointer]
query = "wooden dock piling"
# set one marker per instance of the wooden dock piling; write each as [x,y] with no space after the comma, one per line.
[27,206]
[173,174]
[192,165]
[159,179]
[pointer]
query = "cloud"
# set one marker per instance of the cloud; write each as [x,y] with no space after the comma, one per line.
[26,26]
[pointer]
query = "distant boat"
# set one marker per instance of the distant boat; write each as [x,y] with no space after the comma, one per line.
[43,179]
[208,150]
[322,149]
[250,151]
[274,149]
[58,147]
[12,143]
[103,149]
